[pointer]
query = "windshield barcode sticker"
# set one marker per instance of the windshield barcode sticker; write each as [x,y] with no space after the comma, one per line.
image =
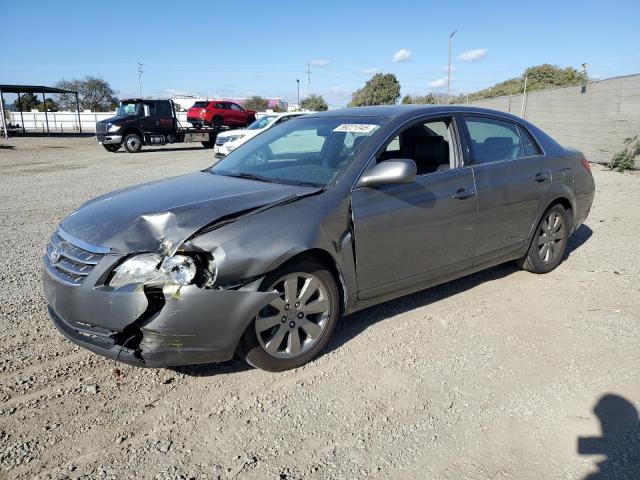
[355,128]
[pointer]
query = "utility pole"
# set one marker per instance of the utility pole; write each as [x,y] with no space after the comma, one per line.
[308,81]
[449,69]
[140,79]
[524,96]
[298,82]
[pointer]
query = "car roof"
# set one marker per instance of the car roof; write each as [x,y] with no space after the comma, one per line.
[390,111]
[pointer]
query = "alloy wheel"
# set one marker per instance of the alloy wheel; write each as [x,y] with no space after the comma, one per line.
[133,143]
[294,322]
[550,238]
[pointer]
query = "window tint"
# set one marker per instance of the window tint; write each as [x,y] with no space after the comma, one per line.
[235,107]
[531,148]
[493,140]
[149,109]
[218,105]
[164,109]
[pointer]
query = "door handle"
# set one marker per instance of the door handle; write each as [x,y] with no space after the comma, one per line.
[541,177]
[463,193]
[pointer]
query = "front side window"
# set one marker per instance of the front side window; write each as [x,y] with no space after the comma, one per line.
[235,107]
[493,140]
[127,109]
[309,151]
[429,143]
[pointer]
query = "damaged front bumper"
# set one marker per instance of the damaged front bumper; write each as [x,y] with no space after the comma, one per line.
[151,328]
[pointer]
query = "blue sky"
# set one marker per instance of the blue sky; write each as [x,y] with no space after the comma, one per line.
[245,48]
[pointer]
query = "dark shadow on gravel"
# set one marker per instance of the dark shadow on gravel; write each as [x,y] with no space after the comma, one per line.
[353,325]
[171,149]
[210,369]
[7,147]
[619,441]
[579,238]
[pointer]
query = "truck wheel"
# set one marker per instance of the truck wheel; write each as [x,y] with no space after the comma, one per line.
[132,143]
[216,122]
[208,144]
[112,147]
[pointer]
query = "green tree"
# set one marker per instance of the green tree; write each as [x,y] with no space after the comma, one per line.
[27,102]
[52,106]
[420,99]
[314,103]
[381,89]
[538,78]
[256,103]
[94,94]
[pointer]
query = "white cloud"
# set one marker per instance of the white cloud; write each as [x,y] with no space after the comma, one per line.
[473,55]
[441,82]
[402,55]
[370,71]
[319,62]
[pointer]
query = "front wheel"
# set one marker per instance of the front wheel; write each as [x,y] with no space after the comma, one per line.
[295,327]
[549,241]
[112,147]
[132,143]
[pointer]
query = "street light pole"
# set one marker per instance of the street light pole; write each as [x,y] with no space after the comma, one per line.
[449,69]
[140,79]
[298,82]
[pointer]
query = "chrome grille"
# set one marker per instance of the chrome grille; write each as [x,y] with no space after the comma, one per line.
[71,259]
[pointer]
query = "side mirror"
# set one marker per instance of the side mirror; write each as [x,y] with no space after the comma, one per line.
[389,172]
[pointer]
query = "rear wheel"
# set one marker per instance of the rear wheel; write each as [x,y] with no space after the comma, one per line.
[549,241]
[250,120]
[132,143]
[112,147]
[292,329]
[216,122]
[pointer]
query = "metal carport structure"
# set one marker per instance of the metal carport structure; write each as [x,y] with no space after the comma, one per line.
[19,89]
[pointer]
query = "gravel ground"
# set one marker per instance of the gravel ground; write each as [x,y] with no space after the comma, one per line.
[492,376]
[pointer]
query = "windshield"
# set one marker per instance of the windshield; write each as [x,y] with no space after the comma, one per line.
[127,109]
[309,151]
[262,122]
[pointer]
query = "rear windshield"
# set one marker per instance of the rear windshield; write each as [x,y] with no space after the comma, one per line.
[200,105]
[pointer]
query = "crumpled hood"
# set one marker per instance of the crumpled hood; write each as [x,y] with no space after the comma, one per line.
[159,216]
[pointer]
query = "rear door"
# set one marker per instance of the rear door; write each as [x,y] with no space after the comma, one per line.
[410,233]
[164,113]
[511,181]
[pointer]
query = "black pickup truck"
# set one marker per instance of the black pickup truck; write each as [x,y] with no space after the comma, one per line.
[141,122]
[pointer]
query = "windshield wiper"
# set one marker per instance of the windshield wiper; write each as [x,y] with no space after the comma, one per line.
[249,176]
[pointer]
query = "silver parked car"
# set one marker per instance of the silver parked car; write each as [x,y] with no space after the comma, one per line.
[314,219]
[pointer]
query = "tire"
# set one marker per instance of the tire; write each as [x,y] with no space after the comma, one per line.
[208,144]
[132,143]
[112,147]
[269,341]
[549,242]
[216,122]
[250,120]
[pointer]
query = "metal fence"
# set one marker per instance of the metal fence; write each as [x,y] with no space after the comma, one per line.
[595,119]
[66,122]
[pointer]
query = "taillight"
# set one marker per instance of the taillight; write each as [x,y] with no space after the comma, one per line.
[586,164]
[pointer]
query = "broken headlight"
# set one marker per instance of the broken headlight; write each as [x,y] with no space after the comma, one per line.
[154,269]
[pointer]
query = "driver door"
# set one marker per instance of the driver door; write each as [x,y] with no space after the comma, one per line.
[407,234]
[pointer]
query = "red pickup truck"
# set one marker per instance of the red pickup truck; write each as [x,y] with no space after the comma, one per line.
[218,113]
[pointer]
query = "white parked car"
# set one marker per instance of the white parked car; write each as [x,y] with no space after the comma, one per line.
[228,141]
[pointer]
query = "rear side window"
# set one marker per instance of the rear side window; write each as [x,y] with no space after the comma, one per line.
[493,140]
[164,109]
[531,148]
[200,105]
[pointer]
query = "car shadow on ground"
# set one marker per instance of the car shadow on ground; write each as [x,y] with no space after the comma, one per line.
[171,149]
[619,441]
[354,324]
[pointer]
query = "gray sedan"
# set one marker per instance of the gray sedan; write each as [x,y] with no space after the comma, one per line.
[314,219]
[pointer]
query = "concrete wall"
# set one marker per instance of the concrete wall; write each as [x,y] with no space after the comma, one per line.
[595,122]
